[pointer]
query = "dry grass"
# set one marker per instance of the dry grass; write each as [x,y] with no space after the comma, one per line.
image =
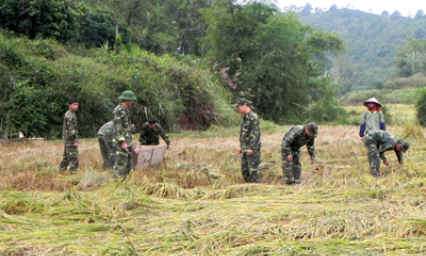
[197,204]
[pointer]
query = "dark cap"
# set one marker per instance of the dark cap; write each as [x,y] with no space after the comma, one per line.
[241,102]
[152,120]
[313,129]
[72,100]
[404,145]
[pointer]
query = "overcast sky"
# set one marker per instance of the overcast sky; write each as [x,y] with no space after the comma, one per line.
[404,7]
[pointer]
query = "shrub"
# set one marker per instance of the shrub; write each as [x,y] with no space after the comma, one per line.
[421,107]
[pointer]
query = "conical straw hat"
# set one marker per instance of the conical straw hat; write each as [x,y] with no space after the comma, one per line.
[372,100]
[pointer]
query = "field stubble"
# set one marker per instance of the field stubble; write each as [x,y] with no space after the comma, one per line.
[197,204]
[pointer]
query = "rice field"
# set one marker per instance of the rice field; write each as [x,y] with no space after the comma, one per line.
[196,202]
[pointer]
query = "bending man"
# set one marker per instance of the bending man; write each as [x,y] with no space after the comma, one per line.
[377,143]
[293,140]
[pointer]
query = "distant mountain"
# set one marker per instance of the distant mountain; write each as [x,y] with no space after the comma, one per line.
[371,42]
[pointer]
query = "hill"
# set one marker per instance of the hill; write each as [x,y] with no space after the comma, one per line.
[371,42]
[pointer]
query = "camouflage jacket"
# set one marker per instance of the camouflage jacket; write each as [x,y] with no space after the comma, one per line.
[151,136]
[385,142]
[294,139]
[69,129]
[122,125]
[250,132]
[107,129]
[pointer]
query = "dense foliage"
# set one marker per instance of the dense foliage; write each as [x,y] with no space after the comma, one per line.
[411,58]
[159,26]
[276,58]
[63,20]
[37,77]
[270,57]
[410,67]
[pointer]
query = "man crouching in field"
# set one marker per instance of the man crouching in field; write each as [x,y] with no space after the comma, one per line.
[249,142]
[70,137]
[377,143]
[293,140]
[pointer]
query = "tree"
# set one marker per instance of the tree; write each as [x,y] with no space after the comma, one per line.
[274,53]
[411,58]
[333,8]
[39,18]
[160,25]
[419,15]
[396,15]
[98,26]
[307,10]
[385,14]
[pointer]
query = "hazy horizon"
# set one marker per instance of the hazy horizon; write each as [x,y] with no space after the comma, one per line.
[406,8]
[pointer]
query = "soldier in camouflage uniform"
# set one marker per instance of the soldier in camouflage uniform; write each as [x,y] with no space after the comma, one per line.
[377,143]
[106,144]
[123,136]
[294,139]
[150,133]
[70,137]
[250,144]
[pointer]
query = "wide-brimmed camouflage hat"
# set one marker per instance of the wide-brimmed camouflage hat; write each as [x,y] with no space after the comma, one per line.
[372,100]
[127,95]
[241,102]
[404,145]
[313,129]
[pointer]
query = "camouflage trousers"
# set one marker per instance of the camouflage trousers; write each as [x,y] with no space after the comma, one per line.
[70,159]
[373,155]
[292,169]
[249,167]
[123,161]
[106,145]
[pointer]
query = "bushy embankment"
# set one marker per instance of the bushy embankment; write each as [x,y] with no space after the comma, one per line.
[196,203]
[415,81]
[38,76]
[402,96]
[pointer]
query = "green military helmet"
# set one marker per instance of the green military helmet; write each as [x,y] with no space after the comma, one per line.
[404,145]
[127,95]
[313,129]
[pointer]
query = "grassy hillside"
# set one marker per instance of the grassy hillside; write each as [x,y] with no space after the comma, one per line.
[197,204]
[371,42]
